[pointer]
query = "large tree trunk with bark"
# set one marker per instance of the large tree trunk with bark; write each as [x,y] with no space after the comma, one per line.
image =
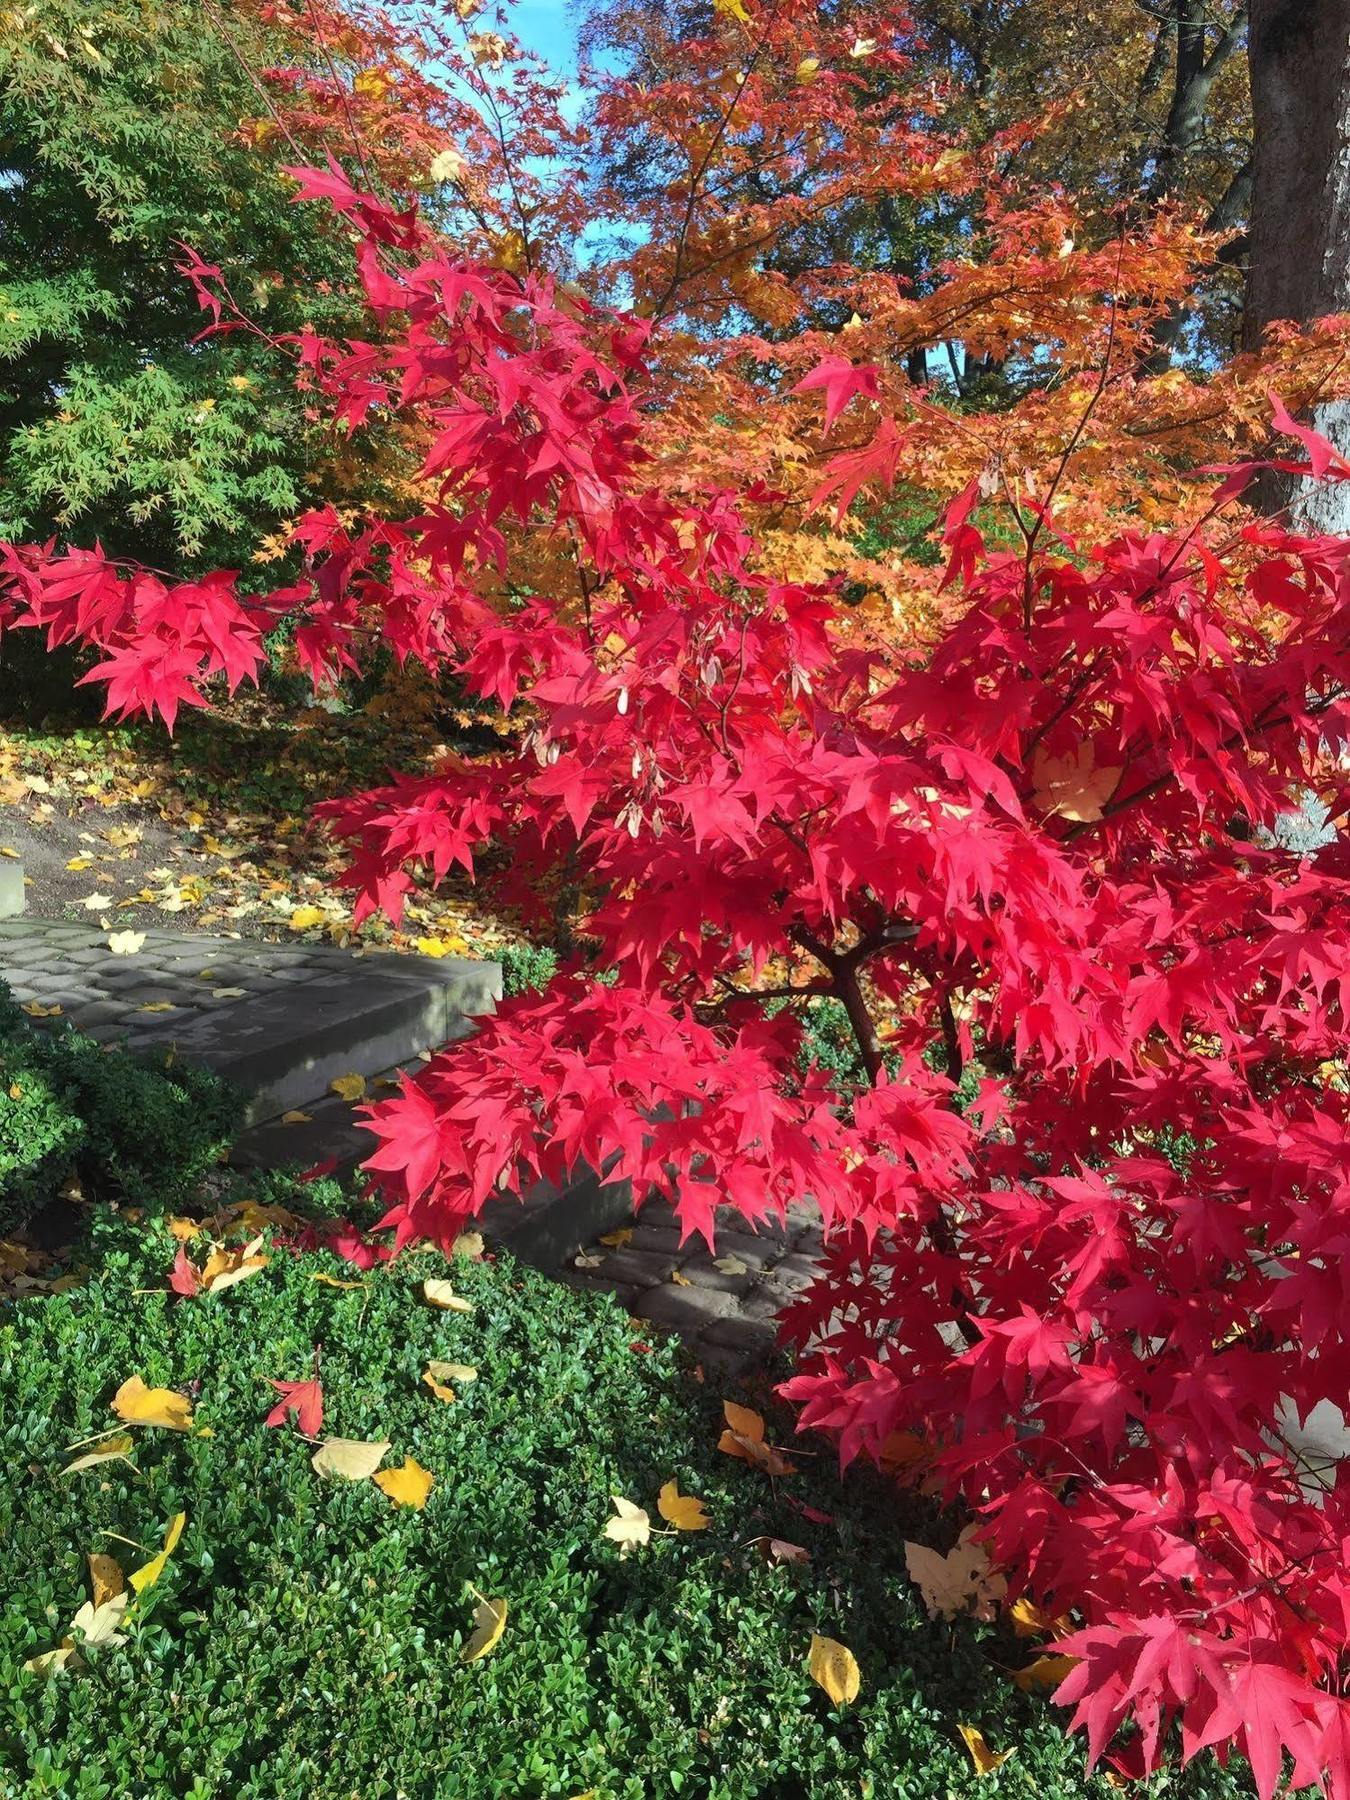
[1299,237]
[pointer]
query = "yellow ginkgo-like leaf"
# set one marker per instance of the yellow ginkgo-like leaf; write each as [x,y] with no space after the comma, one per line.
[833,1667]
[984,1759]
[305,918]
[407,1485]
[108,1451]
[442,1294]
[125,943]
[348,1087]
[348,1459]
[682,1511]
[137,1404]
[106,1580]
[149,1573]
[744,1437]
[489,1622]
[630,1527]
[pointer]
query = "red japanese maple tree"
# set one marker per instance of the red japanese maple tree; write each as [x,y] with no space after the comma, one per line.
[1087,1216]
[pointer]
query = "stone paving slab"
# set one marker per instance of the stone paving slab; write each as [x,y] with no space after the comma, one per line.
[279,1020]
[727,1318]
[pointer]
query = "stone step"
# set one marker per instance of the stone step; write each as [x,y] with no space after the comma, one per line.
[278,1020]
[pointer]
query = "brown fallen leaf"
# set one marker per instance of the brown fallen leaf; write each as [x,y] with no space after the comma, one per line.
[106,1579]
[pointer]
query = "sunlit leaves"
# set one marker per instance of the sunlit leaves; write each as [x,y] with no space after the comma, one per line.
[489,1622]
[408,1485]
[744,1438]
[682,1511]
[137,1404]
[630,1527]
[349,1459]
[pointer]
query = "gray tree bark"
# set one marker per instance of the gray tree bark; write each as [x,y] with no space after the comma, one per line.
[1299,236]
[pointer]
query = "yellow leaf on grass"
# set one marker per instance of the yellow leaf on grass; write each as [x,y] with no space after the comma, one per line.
[1045,1672]
[139,1405]
[51,1661]
[226,1268]
[333,1281]
[348,1087]
[744,1437]
[125,943]
[184,1229]
[489,1622]
[682,1511]
[99,1624]
[958,1582]
[407,1485]
[834,1668]
[437,1374]
[629,1528]
[106,1579]
[107,1451]
[149,1573]
[348,1459]
[305,918]
[984,1759]
[442,1294]
[469,1244]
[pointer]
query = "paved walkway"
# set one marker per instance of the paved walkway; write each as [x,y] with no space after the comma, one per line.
[283,1020]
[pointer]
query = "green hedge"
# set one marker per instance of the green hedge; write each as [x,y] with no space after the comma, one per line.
[123,1126]
[304,1640]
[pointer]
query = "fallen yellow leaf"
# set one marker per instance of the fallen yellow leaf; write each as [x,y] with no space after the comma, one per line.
[125,943]
[305,918]
[333,1281]
[615,1240]
[959,1581]
[149,1573]
[184,1229]
[682,1511]
[36,1010]
[296,1117]
[438,1374]
[140,1405]
[107,1451]
[407,1485]
[442,1294]
[984,1759]
[106,1579]
[1046,1672]
[348,1087]
[226,1268]
[744,1438]
[630,1527]
[348,1459]
[99,1624]
[489,1622]
[469,1244]
[833,1667]
[77,863]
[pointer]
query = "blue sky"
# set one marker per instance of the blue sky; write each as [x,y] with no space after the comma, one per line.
[548,27]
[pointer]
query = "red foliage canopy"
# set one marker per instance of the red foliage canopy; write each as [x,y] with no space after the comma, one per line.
[1088,1219]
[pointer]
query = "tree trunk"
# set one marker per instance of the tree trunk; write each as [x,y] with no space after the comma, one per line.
[1299,238]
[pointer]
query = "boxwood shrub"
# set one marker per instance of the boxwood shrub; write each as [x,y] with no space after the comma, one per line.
[304,1640]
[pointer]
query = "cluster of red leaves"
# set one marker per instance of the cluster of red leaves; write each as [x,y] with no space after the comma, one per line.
[1106,1284]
